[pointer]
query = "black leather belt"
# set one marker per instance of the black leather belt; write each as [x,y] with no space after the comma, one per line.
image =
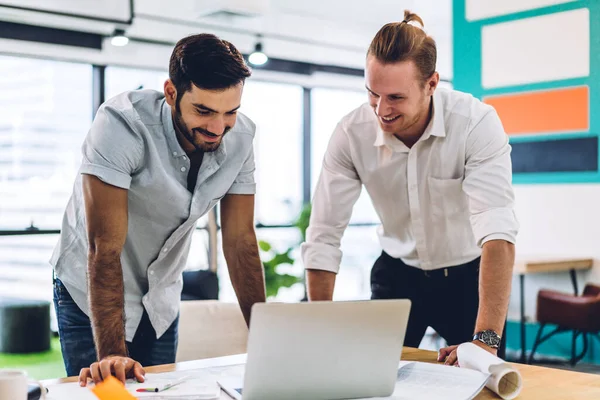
[463,269]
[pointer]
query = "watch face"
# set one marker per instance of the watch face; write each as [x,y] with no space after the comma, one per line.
[490,338]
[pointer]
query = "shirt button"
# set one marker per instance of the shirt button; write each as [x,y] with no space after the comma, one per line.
[151,272]
[174,153]
[182,169]
[165,249]
[184,157]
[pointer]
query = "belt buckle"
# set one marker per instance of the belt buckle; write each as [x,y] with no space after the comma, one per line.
[429,274]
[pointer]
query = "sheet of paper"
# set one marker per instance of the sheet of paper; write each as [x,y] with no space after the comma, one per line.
[418,380]
[424,381]
[202,385]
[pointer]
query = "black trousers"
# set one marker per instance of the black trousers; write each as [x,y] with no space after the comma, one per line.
[446,299]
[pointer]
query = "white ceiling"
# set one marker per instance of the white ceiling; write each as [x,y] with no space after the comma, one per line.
[335,32]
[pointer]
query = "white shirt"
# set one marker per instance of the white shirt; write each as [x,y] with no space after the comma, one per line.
[438,201]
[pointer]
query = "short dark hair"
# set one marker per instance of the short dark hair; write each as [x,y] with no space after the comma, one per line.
[207,62]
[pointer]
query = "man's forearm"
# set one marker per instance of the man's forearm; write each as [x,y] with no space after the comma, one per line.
[246,273]
[495,278]
[106,302]
[320,284]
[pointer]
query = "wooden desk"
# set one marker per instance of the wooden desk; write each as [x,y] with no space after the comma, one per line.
[539,382]
[531,265]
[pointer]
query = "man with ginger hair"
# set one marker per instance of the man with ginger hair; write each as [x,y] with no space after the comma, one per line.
[436,164]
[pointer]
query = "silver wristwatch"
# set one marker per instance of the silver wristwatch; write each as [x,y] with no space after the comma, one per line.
[489,338]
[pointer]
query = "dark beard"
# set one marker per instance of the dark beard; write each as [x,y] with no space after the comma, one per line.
[182,128]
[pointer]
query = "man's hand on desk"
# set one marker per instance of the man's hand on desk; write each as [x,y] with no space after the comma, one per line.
[121,367]
[449,355]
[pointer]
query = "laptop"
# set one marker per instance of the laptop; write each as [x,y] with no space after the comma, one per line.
[322,350]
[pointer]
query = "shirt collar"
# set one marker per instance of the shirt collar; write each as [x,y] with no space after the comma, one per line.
[169,128]
[434,128]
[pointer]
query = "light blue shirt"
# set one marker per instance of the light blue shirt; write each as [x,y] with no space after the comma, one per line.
[132,145]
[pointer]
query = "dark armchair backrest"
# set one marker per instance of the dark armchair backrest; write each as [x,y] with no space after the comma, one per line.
[591,290]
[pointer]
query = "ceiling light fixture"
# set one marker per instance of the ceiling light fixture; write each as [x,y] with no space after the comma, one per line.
[119,39]
[257,57]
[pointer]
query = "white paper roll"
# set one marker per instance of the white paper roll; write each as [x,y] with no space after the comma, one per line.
[504,380]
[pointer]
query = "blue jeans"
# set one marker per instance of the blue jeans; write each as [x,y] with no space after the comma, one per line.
[77,340]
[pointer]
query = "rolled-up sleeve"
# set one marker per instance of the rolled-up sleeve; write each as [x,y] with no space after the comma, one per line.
[488,181]
[112,150]
[336,193]
[244,182]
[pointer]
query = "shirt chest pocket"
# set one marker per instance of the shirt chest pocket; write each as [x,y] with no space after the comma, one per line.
[447,197]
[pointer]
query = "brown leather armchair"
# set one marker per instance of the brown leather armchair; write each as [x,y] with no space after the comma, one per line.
[579,314]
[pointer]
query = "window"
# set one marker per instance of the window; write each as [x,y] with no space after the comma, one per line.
[277,111]
[45,113]
[119,80]
[24,269]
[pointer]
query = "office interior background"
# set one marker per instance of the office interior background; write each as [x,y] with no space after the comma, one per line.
[58,63]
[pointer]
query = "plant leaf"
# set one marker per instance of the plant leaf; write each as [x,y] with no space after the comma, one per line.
[264,246]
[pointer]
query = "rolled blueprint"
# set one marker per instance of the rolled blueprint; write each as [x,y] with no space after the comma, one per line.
[504,379]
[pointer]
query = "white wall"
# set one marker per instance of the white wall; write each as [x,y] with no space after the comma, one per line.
[556,220]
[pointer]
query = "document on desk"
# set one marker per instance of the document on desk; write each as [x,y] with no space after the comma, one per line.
[419,380]
[195,386]
[201,384]
[478,368]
